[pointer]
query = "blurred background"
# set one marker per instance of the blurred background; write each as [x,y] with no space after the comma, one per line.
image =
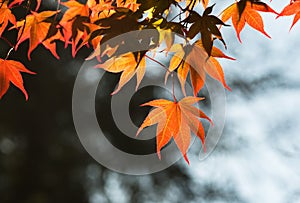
[256,160]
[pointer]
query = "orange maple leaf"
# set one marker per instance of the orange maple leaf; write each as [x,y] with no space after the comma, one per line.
[246,11]
[73,23]
[77,22]
[128,65]
[100,10]
[292,9]
[36,30]
[177,120]
[194,59]
[5,17]
[10,72]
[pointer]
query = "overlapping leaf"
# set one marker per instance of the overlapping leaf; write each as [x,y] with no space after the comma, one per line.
[77,22]
[175,120]
[194,60]
[292,9]
[5,17]
[165,33]
[73,25]
[128,65]
[35,28]
[206,25]
[246,12]
[10,72]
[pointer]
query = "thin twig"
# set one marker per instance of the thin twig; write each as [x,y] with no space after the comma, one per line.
[8,53]
[165,67]
[6,40]
[179,14]
[57,8]
[173,87]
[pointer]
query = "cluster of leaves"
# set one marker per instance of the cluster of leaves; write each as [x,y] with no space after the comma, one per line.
[95,22]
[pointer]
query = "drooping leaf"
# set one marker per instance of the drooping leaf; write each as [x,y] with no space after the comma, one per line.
[292,9]
[206,25]
[5,17]
[10,71]
[102,9]
[128,65]
[193,59]
[35,28]
[165,33]
[175,120]
[246,12]
[73,23]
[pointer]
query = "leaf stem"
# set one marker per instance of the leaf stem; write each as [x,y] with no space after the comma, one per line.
[23,28]
[173,87]
[57,8]
[165,67]
[6,40]
[8,53]
[172,75]
[179,14]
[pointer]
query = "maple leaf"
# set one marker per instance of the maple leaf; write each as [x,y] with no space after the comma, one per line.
[94,39]
[35,28]
[165,33]
[246,11]
[177,120]
[73,25]
[100,10]
[194,60]
[10,72]
[128,65]
[5,17]
[77,22]
[292,9]
[207,26]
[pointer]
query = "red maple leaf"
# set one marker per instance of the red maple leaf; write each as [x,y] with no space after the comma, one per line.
[10,72]
[36,30]
[5,17]
[292,9]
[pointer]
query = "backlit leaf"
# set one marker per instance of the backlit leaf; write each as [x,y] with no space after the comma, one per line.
[10,72]
[128,65]
[5,17]
[193,59]
[246,12]
[292,9]
[175,120]
[36,30]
